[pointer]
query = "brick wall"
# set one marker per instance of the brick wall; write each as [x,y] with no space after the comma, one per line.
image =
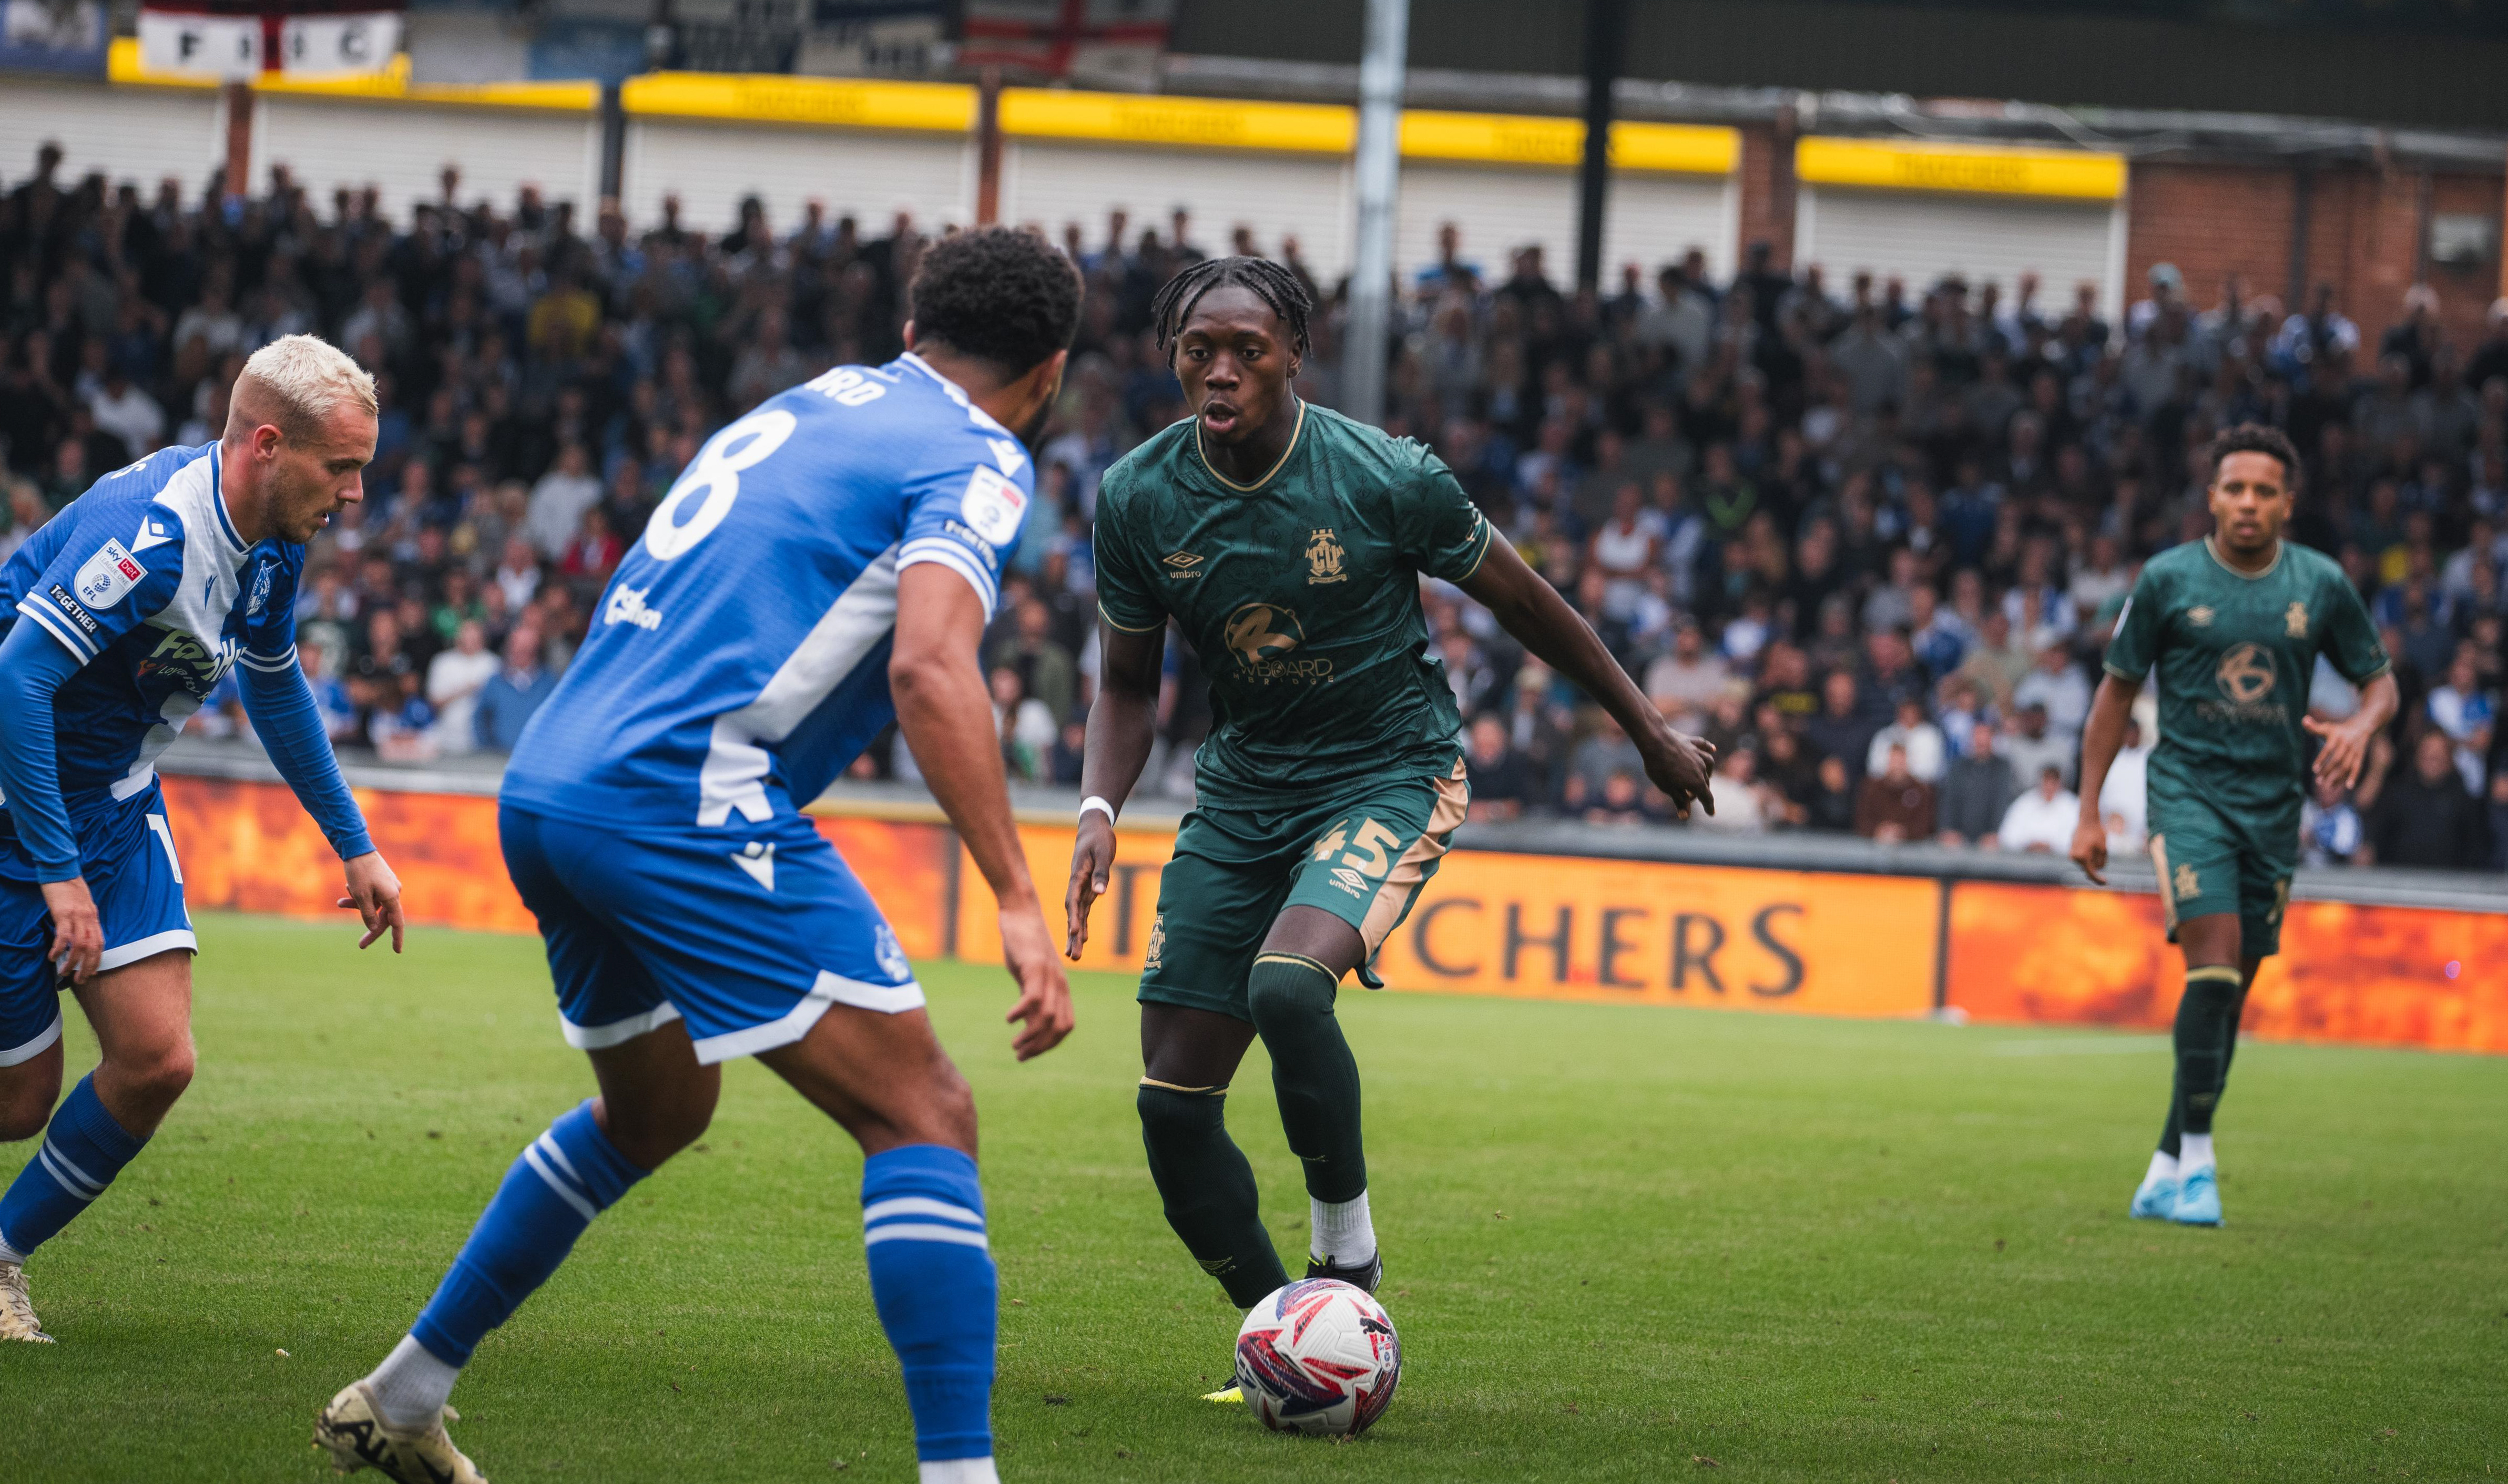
[1768,189]
[2364,235]
[2211,221]
[2464,294]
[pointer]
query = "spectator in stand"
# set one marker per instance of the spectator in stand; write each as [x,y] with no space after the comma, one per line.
[2497,815]
[518,573]
[2123,798]
[1994,662]
[2462,710]
[2427,818]
[455,677]
[517,690]
[2030,745]
[559,500]
[2043,818]
[1827,804]
[1687,681]
[1605,751]
[1843,729]
[1975,792]
[1502,785]
[1620,801]
[1046,670]
[1744,806]
[2330,829]
[2055,685]
[1918,739]
[595,550]
[1894,805]
[1028,730]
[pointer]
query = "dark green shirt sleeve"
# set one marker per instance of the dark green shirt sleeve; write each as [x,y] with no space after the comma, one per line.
[1441,531]
[1125,595]
[2350,637]
[2135,648]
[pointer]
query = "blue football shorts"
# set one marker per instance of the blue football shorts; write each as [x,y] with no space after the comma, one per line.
[127,854]
[746,931]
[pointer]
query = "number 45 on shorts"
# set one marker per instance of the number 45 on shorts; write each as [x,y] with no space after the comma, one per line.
[1362,854]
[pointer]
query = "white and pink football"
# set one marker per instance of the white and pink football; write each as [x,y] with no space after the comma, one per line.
[1318,1357]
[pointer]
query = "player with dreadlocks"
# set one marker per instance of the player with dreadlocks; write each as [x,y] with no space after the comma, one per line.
[1286,543]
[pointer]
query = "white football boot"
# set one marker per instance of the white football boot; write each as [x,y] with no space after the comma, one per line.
[353,1430]
[17,1319]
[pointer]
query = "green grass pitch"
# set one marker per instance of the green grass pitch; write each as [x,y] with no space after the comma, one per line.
[1622,1242]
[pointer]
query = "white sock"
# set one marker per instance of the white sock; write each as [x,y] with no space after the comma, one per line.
[411,1385]
[1342,1233]
[10,1254]
[958,1471]
[2194,1153]
[2163,1166]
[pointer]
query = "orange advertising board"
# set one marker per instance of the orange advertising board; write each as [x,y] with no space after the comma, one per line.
[2390,975]
[1535,926]
[249,847]
[1553,927]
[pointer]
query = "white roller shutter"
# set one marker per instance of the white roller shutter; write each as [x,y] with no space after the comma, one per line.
[1649,219]
[1922,236]
[402,149]
[136,134]
[869,175]
[1303,195]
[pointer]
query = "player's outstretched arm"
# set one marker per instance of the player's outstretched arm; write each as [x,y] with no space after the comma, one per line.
[2347,741]
[283,717]
[1528,606]
[946,717]
[1123,724]
[33,668]
[2101,736]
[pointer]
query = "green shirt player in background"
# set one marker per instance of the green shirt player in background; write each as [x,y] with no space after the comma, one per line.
[1287,543]
[2233,625]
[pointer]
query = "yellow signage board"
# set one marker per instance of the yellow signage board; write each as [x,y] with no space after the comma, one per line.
[1124,118]
[1974,169]
[838,102]
[391,83]
[1495,138]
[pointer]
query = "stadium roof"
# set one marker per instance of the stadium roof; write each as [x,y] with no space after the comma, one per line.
[2428,63]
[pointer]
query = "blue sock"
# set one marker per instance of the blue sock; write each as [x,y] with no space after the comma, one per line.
[83,1150]
[931,1277]
[569,1175]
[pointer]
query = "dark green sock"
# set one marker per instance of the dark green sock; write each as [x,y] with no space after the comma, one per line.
[2207,1034]
[1209,1189]
[1312,1071]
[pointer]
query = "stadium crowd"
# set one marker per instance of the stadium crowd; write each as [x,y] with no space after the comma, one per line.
[1870,537]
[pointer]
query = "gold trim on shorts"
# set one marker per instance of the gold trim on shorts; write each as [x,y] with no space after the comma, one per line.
[1411,871]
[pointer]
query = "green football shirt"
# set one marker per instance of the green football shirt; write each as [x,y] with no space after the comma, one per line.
[2234,655]
[1300,594]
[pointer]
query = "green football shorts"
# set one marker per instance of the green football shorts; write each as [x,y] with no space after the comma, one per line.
[1361,855]
[2212,859]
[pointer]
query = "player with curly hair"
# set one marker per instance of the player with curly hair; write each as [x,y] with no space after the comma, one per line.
[1286,543]
[2232,626]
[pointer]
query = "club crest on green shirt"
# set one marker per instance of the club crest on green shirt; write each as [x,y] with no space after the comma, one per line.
[1324,557]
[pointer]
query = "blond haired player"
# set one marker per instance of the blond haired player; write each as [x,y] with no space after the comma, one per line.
[116,618]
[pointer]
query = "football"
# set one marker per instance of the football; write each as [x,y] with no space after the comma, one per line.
[1318,1357]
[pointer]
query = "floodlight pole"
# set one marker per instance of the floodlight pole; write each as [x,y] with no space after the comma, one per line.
[1606,24]
[1379,174]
